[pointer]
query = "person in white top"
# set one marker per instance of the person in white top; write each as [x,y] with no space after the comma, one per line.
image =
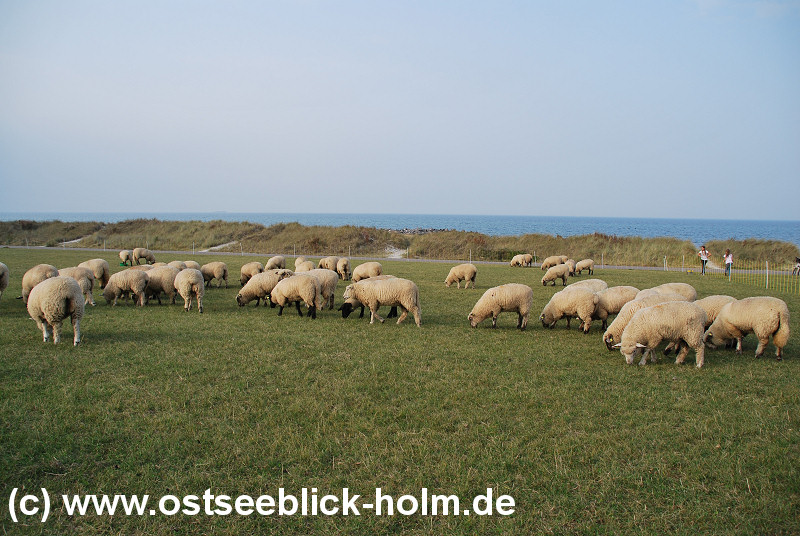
[728,262]
[704,255]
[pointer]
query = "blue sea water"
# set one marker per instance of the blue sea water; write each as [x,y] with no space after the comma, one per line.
[697,231]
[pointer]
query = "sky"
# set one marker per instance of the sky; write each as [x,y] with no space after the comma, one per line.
[676,109]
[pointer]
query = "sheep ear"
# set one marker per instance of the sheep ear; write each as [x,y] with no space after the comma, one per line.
[618,345]
[640,345]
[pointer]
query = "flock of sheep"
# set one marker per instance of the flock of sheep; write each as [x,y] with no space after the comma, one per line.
[644,318]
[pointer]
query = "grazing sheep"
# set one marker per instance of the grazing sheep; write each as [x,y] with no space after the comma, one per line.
[162,279]
[100,269]
[305,266]
[563,258]
[4,277]
[585,264]
[462,272]
[215,270]
[53,300]
[551,261]
[143,253]
[328,279]
[260,286]
[678,321]
[190,283]
[393,291]
[249,270]
[343,268]
[85,279]
[511,297]
[528,258]
[763,316]
[351,304]
[595,285]
[124,282]
[192,264]
[275,263]
[712,306]
[611,300]
[299,260]
[613,333]
[178,265]
[579,302]
[571,264]
[517,260]
[126,256]
[368,269]
[559,271]
[329,263]
[34,276]
[684,289]
[297,288]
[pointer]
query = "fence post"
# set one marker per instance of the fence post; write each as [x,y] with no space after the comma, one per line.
[665,263]
[767,272]
[602,260]
[470,255]
[192,249]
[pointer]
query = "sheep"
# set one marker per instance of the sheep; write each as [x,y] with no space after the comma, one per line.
[595,285]
[677,321]
[343,268]
[178,265]
[509,297]
[304,266]
[192,264]
[551,261]
[215,270]
[517,260]
[299,260]
[124,282]
[275,263]
[528,258]
[585,264]
[190,283]
[613,333]
[579,302]
[260,286]
[760,315]
[85,279]
[100,269]
[558,271]
[126,256]
[563,258]
[684,289]
[143,253]
[392,291]
[162,279]
[712,306]
[4,277]
[571,264]
[53,300]
[328,279]
[34,276]
[462,272]
[350,304]
[367,269]
[158,264]
[249,270]
[297,288]
[329,263]
[142,268]
[611,300]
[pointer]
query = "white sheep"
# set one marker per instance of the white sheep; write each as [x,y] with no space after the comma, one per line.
[351,304]
[328,279]
[551,261]
[304,266]
[572,265]
[528,258]
[517,260]
[559,271]
[585,264]
[193,265]
[511,297]
[126,256]
[260,286]
[275,263]
[100,269]
[595,285]
[343,268]
[763,316]
[575,303]
[712,306]
[141,268]
[4,277]
[159,264]
[85,279]
[248,270]
[392,291]
[215,270]
[162,279]
[178,265]
[613,333]
[299,260]
[678,321]
[367,269]
[462,272]
[53,300]
[34,276]
[190,283]
[124,282]
[329,263]
[143,253]
[684,289]
[295,289]
[611,300]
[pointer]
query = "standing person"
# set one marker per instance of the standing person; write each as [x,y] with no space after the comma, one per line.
[704,255]
[728,262]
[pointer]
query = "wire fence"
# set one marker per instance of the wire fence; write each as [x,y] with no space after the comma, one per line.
[782,277]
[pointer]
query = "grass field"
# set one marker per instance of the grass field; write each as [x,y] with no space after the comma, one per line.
[157,401]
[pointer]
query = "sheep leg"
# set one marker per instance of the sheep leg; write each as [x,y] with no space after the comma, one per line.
[762,343]
[778,352]
[199,304]
[700,355]
[392,312]
[312,311]
[45,327]
[297,306]
[586,325]
[56,332]
[568,320]
[643,360]
[494,321]
[403,315]
[373,309]
[187,303]
[739,345]
[417,316]
[684,351]
[76,330]
[280,310]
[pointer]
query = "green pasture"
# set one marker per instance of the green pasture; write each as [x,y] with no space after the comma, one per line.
[158,401]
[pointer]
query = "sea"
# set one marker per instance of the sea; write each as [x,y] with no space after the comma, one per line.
[698,231]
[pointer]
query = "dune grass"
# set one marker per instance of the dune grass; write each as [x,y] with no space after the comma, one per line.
[240,400]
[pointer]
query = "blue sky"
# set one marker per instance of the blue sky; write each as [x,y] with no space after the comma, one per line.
[584,108]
